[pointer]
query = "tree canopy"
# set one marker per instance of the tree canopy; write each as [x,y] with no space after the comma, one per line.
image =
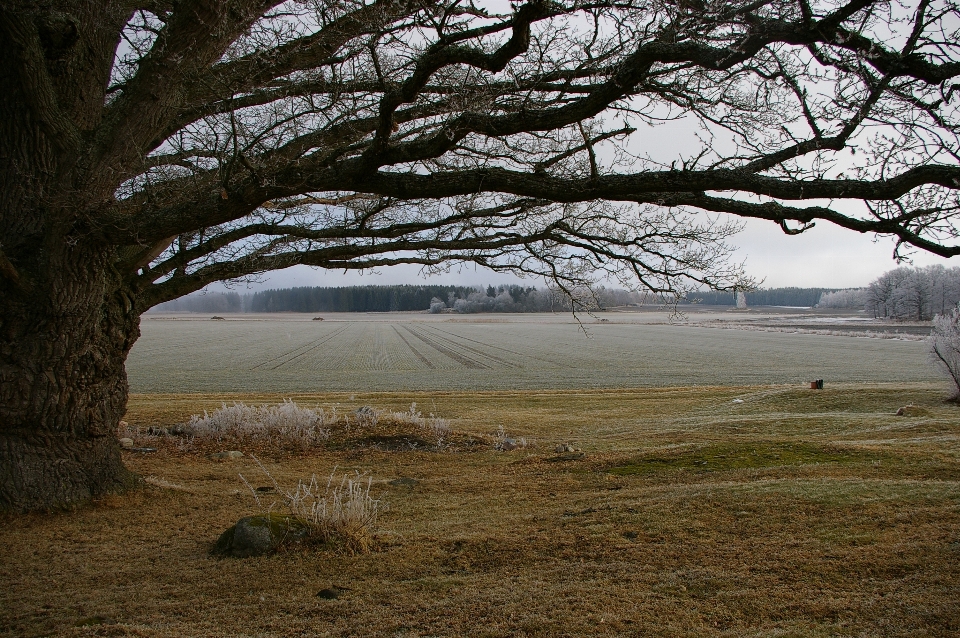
[150,148]
[215,140]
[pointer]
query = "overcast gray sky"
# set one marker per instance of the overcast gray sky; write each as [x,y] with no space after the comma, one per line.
[825,256]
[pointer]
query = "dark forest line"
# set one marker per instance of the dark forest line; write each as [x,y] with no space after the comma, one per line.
[460,299]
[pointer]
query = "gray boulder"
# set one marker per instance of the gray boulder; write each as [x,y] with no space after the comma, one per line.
[261,535]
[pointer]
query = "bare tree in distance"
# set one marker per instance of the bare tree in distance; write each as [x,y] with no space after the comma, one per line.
[945,347]
[150,148]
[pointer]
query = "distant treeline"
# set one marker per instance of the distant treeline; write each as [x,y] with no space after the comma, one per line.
[460,299]
[903,294]
[352,298]
[800,297]
[915,294]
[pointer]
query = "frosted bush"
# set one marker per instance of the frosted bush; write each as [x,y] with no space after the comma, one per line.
[434,426]
[286,422]
[944,345]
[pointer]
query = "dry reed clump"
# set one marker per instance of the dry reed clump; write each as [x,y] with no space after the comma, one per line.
[341,514]
[504,443]
[287,423]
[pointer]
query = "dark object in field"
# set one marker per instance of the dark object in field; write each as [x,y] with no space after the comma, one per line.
[331,593]
[318,319]
[260,535]
[266,489]
[142,450]
[216,318]
[817,384]
[404,481]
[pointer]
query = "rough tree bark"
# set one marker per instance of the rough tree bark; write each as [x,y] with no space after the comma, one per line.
[67,318]
[64,338]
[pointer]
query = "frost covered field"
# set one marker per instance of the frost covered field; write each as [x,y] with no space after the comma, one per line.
[384,352]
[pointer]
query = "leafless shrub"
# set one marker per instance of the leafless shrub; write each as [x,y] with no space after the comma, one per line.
[433,426]
[504,443]
[944,343]
[366,417]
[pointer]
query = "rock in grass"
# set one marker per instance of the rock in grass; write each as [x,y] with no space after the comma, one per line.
[260,535]
[912,410]
[222,456]
[332,593]
[126,443]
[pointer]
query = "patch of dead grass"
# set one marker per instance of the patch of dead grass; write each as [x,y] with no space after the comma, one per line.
[844,537]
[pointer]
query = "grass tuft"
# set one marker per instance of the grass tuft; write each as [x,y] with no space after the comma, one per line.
[339,513]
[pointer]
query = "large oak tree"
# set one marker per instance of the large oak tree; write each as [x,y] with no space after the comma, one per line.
[151,147]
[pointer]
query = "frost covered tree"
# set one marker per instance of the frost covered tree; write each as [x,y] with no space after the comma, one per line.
[913,294]
[945,347]
[151,147]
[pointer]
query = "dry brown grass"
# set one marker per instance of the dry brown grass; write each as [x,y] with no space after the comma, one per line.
[793,513]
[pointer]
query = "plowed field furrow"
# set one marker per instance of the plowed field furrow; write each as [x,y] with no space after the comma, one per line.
[442,349]
[541,347]
[415,352]
[454,343]
[479,357]
[380,358]
[313,345]
[522,355]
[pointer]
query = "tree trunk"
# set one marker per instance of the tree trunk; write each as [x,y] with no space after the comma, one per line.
[63,386]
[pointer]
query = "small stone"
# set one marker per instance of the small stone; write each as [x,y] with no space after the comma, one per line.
[737,401]
[560,449]
[124,424]
[180,429]
[126,443]
[329,593]
[222,456]
[404,481]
